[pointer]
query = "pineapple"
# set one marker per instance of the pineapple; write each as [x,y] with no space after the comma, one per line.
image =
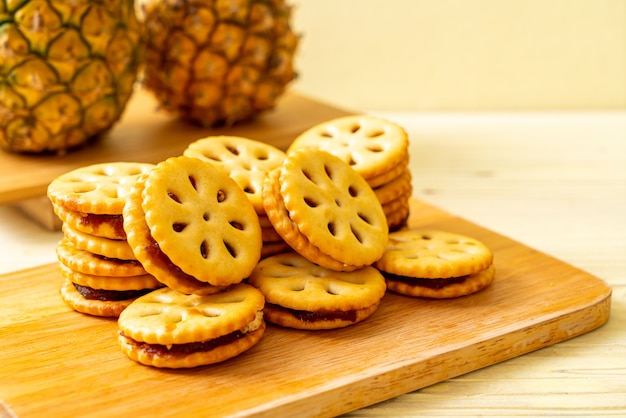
[67,70]
[218,62]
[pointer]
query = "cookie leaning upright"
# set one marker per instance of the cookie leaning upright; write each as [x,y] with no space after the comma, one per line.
[325,210]
[374,147]
[435,264]
[192,226]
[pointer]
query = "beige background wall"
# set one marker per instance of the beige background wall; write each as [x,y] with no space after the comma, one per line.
[463,54]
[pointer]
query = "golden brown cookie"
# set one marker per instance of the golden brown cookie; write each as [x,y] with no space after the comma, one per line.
[169,329]
[202,220]
[391,174]
[245,160]
[106,226]
[117,283]
[288,230]
[397,211]
[435,264]
[329,204]
[98,188]
[148,252]
[401,203]
[398,219]
[400,186]
[451,287]
[89,263]
[105,247]
[107,304]
[274,247]
[369,144]
[433,254]
[301,294]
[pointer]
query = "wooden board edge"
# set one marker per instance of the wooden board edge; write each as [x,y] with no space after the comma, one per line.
[40,210]
[293,113]
[405,378]
[5,411]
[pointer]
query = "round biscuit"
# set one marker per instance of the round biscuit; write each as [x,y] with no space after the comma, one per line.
[98,188]
[72,298]
[284,318]
[143,354]
[89,263]
[148,252]
[471,284]
[399,203]
[202,220]
[293,282]
[433,254]
[399,186]
[145,281]
[333,206]
[166,316]
[389,175]
[398,219]
[245,160]
[105,247]
[106,226]
[279,217]
[369,144]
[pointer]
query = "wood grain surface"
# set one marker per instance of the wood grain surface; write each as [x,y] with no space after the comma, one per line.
[54,359]
[146,134]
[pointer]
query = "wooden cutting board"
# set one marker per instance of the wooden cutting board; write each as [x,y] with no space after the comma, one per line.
[145,134]
[55,360]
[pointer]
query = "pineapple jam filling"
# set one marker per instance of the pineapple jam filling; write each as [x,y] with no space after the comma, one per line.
[109,295]
[430,283]
[320,315]
[160,258]
[116,222]
[195,347]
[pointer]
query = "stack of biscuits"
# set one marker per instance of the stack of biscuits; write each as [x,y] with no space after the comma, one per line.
[101,274]
[195,230]
[195,253]
[336,229]
[247,162]
[375,148]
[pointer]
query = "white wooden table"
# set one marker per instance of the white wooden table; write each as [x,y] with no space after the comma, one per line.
[555,182]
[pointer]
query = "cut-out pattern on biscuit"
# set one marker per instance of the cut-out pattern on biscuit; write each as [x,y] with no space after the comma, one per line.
[202,220]
[433,254]
[166,316]
[246,161]
[292,281]
[370,145]
[333,206]
[98,189]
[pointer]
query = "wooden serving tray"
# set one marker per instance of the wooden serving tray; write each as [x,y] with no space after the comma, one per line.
[145,134]
[55,360]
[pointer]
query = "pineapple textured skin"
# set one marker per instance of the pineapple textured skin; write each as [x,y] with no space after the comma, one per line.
[67,70]
[218,62]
